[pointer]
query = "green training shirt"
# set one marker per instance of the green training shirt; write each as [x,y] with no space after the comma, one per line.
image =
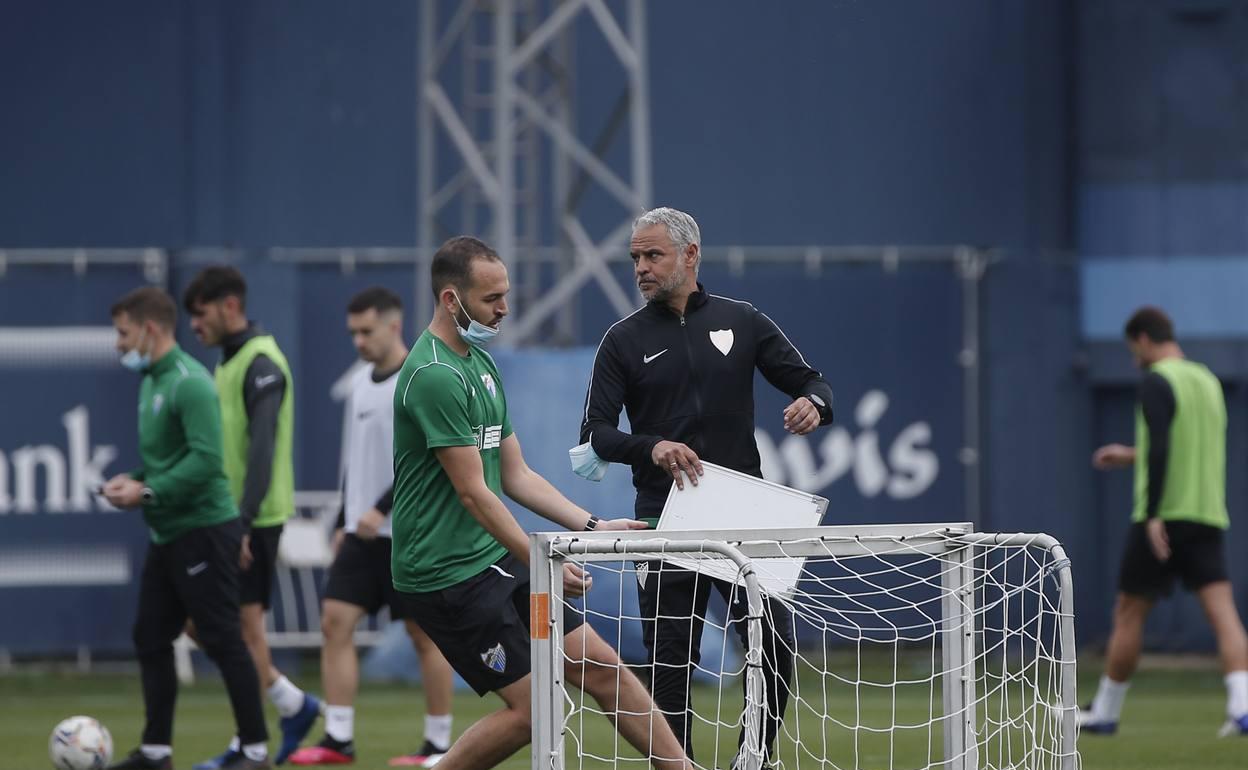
[1195,484]
[180,448]
[443,399]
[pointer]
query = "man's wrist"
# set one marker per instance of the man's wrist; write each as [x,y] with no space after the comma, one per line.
[592,524]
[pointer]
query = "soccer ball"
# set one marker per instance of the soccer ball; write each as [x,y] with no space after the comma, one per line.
[80,743]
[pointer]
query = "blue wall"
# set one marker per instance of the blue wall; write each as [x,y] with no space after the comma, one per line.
[1162,198]
[291,123]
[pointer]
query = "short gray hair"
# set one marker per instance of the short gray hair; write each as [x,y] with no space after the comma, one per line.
[680,226]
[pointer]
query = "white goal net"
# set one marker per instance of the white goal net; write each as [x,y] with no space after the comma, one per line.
[842,648]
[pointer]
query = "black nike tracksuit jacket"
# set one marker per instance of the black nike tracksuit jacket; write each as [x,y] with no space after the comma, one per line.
[690,379]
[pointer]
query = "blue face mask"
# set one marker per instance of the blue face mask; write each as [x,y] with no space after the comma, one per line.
[477,333]
[135,361]
[586,463]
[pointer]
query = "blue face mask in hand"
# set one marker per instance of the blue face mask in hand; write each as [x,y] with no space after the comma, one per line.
[477,333]
[135,361]
[586,463]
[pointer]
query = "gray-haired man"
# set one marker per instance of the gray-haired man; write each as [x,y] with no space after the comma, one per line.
[683,366]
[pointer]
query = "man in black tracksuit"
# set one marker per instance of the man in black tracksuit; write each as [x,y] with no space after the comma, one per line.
[191,569]
[683,367]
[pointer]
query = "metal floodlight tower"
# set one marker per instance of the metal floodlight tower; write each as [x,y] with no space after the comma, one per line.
[484,159]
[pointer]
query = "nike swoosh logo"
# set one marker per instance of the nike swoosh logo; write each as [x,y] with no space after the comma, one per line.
[198,568]
[648,359]
[364,415]
[268,379]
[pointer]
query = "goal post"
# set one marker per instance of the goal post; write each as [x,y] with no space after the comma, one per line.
[917,646]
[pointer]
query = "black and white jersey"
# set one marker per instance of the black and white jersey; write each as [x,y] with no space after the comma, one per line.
[368,445]
[690,379]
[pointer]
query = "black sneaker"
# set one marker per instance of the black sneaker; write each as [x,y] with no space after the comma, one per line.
[428,756]
[241,762]
[137,760]
[327,752]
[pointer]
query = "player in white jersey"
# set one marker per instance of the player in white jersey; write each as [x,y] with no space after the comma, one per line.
[359,579]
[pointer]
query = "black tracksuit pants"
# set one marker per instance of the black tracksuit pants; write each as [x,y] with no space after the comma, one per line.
[195,576]
[673,605]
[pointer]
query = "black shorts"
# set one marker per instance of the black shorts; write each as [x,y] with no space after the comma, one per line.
[1196,556]
[360,575]
[256,582]
[482,624]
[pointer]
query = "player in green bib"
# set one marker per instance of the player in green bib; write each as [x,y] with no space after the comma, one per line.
[459,558]
[1178,520]
[257,423]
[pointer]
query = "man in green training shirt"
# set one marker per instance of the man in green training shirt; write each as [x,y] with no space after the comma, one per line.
[191,569]
[459,559]
[257,417]
[1178,520]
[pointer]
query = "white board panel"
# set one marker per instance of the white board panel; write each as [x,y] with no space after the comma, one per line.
[728,499]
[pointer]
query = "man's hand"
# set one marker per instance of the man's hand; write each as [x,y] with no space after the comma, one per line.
[123,492]
[370,524]
[674,458]
[244,554]
[335,540]
[619,525]
[575,581]
[801,417]
[1113,456]
[1158,540]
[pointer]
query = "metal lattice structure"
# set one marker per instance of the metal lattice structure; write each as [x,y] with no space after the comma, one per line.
[486,158]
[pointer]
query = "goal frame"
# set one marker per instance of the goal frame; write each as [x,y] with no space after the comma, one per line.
[954,543]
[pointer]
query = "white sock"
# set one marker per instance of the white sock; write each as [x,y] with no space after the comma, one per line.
[256,752]
[1237,694]
[340,722]
[438,730]
[234,744]
[156,751]
[287,697]
[1107,706]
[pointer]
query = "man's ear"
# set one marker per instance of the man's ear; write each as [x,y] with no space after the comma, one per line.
[446,297]
[691,255]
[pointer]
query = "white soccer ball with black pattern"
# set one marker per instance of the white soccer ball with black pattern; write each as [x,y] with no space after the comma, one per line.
[80,743]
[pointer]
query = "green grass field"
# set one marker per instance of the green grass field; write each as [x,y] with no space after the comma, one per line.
[1171,719]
